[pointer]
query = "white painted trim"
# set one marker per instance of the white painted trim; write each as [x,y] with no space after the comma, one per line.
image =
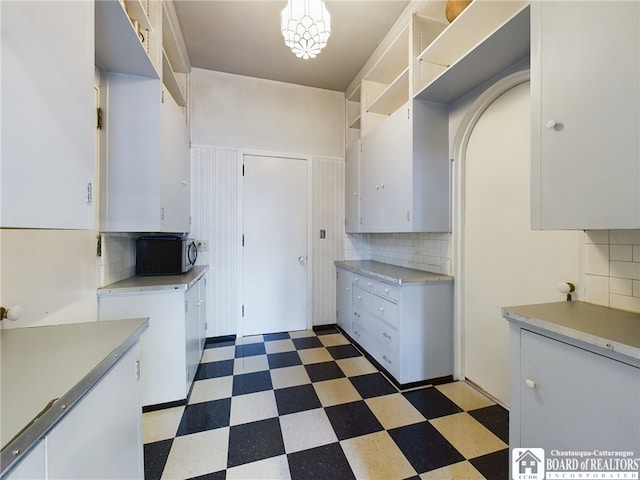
[240,223]
[459,150]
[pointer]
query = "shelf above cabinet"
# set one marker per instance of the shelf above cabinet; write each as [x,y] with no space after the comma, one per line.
[171,81]
[137,12]
[442,77]
[393,96]
[171,39]
[117,46]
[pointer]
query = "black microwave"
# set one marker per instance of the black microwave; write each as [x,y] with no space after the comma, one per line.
[165,255]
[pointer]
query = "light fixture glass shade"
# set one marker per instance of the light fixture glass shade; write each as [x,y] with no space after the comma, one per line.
[306,26]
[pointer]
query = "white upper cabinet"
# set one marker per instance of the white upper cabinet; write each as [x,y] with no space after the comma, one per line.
[48,115]
[146,177]
[352,188]
[405,172]
[585,89]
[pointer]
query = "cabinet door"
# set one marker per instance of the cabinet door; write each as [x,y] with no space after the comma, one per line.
[101,437]
[48,115]
[343,299]
[132,177]
[352,188]
[585,85]
[578,401]
[386,175]
[175,199]
[192,332]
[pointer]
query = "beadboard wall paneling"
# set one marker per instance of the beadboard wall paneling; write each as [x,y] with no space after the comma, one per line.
[214,209]
[326,214]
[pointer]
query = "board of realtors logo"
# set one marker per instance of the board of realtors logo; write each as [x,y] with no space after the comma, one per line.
[527,464]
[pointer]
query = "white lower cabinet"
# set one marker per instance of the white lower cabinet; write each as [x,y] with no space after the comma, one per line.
[100,437]
[173,343]
[567,398]
[407,328]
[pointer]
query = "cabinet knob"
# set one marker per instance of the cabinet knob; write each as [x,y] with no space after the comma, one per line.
[530,383]
[551,124]
[382,309]
[377,187]
[370,284]
[386,290]
[355,194]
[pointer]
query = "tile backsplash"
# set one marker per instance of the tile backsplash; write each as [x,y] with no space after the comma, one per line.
[424,251]
[118,260]
[612,268]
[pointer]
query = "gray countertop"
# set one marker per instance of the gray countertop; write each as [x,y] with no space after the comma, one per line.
[154,283]
[40,364]
[391,273]
[608,328]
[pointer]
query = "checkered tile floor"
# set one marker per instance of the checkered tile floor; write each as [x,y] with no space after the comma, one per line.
[307,405]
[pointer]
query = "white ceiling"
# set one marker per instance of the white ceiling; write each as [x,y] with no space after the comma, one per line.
[243,37]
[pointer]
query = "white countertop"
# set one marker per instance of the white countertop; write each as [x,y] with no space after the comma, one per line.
[608,328]
[40,364]
[155,283]
[391,273]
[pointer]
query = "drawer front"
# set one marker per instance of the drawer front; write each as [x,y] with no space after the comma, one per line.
[361,298]
[383,354]
[384,309]
[387,291]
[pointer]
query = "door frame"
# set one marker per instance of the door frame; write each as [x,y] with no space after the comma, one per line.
[241,153]
[459,152]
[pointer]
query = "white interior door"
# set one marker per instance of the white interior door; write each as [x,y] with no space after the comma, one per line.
[275,244]
[505,262]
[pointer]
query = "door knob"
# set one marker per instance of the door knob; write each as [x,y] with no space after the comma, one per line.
[301,259]
[530,383]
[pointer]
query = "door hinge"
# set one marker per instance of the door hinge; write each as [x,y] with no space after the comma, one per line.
[99,118]
[243,169]
[99,246]
[243,310]
[89,193]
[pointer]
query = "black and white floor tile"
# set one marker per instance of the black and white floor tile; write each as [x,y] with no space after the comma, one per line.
[308,405]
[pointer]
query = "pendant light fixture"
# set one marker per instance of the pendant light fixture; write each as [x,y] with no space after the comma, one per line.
[306,26]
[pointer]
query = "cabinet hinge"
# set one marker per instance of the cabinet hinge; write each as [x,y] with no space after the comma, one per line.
[99,118]
[137,369]
[99,246]
[243,310]
[243,169]
[162,213]
[407,215]
[89,194]
[408,114]
[162,96]
[186,307]
[243,239]
[189,219]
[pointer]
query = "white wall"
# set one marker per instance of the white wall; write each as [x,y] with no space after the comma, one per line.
[230,113]
[243,112]
[52,274]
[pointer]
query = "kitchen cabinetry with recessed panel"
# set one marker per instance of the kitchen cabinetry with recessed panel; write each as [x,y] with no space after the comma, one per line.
[405,172]
[402,317]
[575,377]
[48,115]
[172,347]
[585,90]
[146,177]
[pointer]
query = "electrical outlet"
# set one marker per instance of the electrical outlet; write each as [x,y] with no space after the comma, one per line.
[203,245]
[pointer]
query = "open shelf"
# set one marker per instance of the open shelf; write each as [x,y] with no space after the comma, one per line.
[394,60]
[135,10]
[495,52]
[171,81]
[177,59]
[396,94]
[117,45]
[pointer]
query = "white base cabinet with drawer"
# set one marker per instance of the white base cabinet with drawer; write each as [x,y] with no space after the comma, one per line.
[173,344]
[568,398]
[406,328]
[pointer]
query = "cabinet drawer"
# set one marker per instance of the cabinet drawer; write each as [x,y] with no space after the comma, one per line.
[361,298]
[384,309]
[387,291]
[383,354]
